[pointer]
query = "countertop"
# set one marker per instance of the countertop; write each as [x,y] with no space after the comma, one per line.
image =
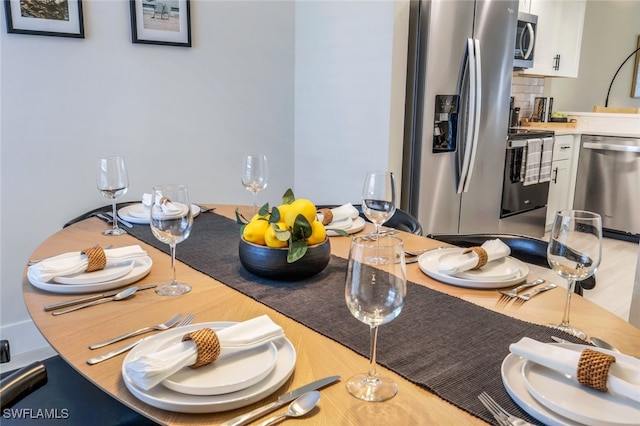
[602,124]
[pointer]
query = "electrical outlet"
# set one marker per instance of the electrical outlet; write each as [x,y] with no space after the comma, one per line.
[5,352]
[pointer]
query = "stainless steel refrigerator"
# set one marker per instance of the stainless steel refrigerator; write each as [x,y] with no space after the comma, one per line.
[460,69]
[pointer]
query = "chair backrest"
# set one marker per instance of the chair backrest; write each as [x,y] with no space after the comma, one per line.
[527,249]
[400,220]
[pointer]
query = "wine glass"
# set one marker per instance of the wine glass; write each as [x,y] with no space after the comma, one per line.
[379,200]
[375,295]
[574,253]
[255,175]
[171,221]
[113,182]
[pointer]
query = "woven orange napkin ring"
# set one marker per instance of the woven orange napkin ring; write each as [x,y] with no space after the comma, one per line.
[208,346]
[482,256]
[97,258]
[593,369]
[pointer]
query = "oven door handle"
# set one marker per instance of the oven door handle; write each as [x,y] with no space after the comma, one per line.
[611,147]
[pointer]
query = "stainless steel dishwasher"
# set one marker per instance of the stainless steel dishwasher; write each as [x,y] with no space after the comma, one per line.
[608,183]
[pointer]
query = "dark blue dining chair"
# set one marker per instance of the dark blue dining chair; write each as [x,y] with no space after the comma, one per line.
[401,220]
[52,392]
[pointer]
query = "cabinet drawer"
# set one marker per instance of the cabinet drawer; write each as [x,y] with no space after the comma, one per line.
[562,149]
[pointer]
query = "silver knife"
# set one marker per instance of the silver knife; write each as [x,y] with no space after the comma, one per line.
[109,217]
[72,302]
[282,400]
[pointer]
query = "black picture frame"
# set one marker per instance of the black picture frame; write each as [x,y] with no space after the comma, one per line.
[161,22]
[57,19]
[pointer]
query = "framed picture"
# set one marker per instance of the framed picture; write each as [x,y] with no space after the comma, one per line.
[635,86]
[60,18]
[165,22]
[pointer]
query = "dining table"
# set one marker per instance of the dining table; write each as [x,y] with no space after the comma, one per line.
[447,344]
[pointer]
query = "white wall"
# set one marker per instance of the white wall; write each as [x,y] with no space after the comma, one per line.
[350,92]
[611,31]
[177,115]
[259,73]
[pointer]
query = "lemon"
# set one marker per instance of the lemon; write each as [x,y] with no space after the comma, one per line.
[257,216]
[283,209]
[300,206]
[270,236]
[318,233]
[255,230]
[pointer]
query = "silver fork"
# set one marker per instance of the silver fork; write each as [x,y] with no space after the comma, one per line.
[162,326]
[510,294]
[527,296]
[503,417]
[185,321]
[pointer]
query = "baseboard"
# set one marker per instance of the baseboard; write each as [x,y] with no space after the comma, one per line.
[26,343]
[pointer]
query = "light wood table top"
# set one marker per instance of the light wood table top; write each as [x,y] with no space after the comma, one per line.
[317,356]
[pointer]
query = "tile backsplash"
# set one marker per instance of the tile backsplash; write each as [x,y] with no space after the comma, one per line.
[525,90]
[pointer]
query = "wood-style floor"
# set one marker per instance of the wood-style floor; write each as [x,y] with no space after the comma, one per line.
[614,278]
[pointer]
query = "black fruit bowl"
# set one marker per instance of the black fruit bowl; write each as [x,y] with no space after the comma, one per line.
[272,263]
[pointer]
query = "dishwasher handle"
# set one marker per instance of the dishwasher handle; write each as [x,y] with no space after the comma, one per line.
[611,147]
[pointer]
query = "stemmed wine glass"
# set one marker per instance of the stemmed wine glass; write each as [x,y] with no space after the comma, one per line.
[375,295]
[574,253]
[379,200]
[171,221]
[112,181]
[255,175]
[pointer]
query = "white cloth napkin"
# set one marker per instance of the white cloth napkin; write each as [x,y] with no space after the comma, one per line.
[149,370]
[147,200]
[452,265]
[545,160]
[168,210]
[75,262]
[343,214]
[534,154]
[624,378]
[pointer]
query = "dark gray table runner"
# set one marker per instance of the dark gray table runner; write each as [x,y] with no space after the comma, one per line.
[448,346]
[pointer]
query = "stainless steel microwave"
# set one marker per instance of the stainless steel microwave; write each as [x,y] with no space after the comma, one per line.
[525,41]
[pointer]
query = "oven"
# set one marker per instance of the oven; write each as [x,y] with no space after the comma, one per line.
[525,183]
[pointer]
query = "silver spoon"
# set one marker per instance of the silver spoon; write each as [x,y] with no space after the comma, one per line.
[299,407]
[604,345]
[124,294]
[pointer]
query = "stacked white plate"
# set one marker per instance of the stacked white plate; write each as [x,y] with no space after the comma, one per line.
[139,214]
[229,383]
[499,273]
[555,399]
[113,276]
[350,226]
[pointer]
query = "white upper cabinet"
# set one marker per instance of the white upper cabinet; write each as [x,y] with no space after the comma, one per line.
[558,36]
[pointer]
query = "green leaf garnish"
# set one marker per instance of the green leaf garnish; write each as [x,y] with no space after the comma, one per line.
[297,249]
[288,197]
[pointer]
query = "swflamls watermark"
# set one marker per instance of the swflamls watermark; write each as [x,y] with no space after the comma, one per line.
[36,414]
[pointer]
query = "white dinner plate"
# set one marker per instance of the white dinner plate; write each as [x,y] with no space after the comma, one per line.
[514,384]
[577,402]
[138,214]
[501,269]
[228,374]
[141,268]
[109,273]
[357,225]
[428,263]
[167,399]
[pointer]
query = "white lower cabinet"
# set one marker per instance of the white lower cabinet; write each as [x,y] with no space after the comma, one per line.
[560,187]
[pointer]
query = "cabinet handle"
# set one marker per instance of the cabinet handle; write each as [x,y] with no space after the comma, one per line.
[555,175]
[556,63]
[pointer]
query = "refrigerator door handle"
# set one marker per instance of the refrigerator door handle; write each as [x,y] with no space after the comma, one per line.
[477,114]
[468,137]
[475,106]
